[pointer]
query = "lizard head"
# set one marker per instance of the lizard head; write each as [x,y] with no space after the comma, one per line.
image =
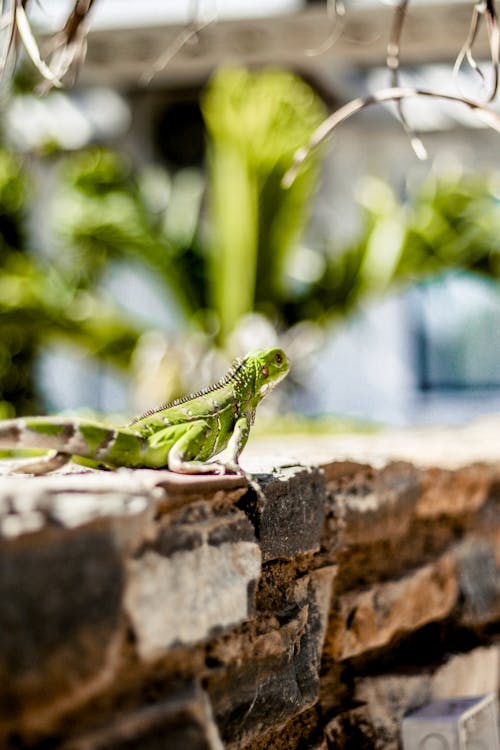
[269,366]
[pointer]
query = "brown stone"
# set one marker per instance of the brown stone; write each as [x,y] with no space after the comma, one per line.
[350,729]
[368,505]
[277,673]
[369,619]
[454,493]
[183,722]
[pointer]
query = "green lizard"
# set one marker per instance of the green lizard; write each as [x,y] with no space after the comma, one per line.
[182,435]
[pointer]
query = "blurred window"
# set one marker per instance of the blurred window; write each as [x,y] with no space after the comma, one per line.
[457,332]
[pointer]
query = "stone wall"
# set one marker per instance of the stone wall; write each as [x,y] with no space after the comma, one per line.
[310,609]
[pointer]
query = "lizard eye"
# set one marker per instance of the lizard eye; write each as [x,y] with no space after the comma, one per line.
[278,359]
[265,371]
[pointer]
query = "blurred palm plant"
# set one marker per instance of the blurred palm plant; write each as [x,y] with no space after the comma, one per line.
[107,210]
[39,301]
[16,351]
[449,222]
[109,215]
[237,260]
[453,222]
[256,122]
[102,214]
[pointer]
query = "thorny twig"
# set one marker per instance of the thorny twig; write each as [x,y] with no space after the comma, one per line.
[466,50]
[488,116]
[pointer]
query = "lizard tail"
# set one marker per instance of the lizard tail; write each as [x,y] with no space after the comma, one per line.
[72,437]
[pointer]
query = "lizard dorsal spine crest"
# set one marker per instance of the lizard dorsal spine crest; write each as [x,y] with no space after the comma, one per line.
[229,377]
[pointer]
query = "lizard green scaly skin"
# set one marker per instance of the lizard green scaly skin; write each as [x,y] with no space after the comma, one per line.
[183,435]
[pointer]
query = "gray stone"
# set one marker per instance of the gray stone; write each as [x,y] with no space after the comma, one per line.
[479,581]
[475,672]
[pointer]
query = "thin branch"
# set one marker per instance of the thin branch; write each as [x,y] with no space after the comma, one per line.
[486,115]
[466,50]
[69,46]
[8,21]
[481,8]
[31,46]
[76,18]
[494,41]
[189,34]
[335,9]
[393,63]
[70,41]
[394,44]
[186,35]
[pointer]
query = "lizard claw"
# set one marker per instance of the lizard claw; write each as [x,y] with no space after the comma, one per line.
[229,467]
[232,467]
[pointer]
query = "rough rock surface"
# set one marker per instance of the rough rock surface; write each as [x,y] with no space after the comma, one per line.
[353,579]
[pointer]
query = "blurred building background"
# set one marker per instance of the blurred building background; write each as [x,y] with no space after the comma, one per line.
[387,298]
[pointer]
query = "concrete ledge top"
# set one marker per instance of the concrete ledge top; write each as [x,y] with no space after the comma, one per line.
[444,447]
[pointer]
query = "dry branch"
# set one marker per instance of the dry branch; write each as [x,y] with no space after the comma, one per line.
[335,9]
[188,35]
[393,63]
[481,8]
[398,94]
[68,45]
[488,116]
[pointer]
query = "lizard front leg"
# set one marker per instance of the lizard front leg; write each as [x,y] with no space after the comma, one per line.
[236,444]
[182,455]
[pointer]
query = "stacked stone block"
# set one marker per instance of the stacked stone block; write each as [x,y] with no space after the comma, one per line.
[310,608]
